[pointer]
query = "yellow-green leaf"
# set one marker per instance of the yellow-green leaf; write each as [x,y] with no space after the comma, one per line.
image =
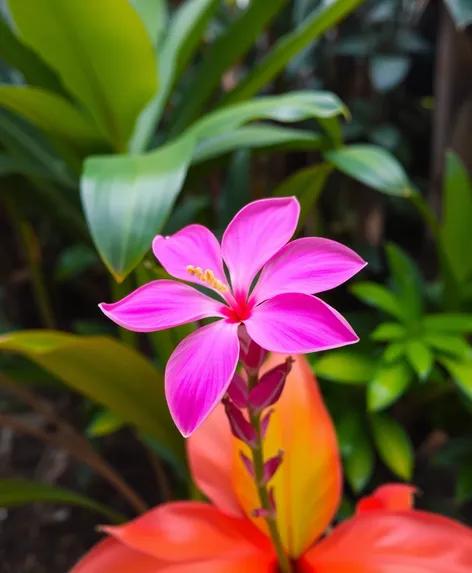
[393,445]
[51,113]
[106,371]
[101,51]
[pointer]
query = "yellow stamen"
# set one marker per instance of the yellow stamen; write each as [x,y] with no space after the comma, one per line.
[207,277]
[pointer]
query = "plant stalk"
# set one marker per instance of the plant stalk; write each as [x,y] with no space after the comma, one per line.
[264,498]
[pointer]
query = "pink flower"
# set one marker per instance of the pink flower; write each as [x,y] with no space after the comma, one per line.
[279,313]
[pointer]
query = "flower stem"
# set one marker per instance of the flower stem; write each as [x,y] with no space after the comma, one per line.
[264,498]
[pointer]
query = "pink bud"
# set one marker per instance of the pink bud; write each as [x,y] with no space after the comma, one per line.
[261,512]
[251,354]
[265,422]
[270,387]
[240,427]
[248,464]
[238,391]
[273,505]
[271,466]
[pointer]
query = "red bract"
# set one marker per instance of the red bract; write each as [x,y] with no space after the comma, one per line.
[387,535]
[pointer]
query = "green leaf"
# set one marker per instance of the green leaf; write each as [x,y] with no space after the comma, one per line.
[389,331]
[461,373]
[356,449]
[103,424]
[393,445]
[314,25]
[16,492]
[102,53]
[387,71]
[127,200]
[52,113]
[448,322]
[406,280]
[461,11]
[236,189]
[449,344]
[288,108]
[457,215]
[378,296]
[306,185]
[222,54]
[372,166]
[394,351]
[19,56]
[420,357]
[186,28]
[16,166]
[153,14]
[106,371]
[388,384]
[345,366]
[251,137]
[74,261]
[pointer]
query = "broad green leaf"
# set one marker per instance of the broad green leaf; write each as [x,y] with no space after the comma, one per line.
[106,371]
[372,166]
[454,345]
[420,357]
[288,108]
[102,53]
[457,214]
[378,296]
[153,14]
[448,322]
[393,445]
[461,373]
[15,166]
[185,32]
[325,17]
[127,200]
[406,280]
[389,331]
[52,113]
[388,384]
[347,367]
[26,61]
[223,53]
[306,185]
[356,449]
[103,424]
[387,71]
[255,136]
[461,11]
[16,492]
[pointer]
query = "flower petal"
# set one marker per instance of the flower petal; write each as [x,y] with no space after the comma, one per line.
[188,532]
[199,372]
[308,484]
[392,542]
[309,266]
[111,556]
[298,323]
[209,451]
[394,497]
[161,304]
[255,234]
[194,245]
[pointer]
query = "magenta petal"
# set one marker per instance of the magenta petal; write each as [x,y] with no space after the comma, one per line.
[255,234]
[199,372]
[193,246]
[309,266]
[161,304]
[298,323]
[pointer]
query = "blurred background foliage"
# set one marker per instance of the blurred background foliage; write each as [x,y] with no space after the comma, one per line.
[122,119]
